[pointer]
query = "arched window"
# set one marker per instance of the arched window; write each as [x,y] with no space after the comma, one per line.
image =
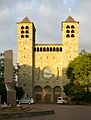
[67,35]
[72,35]
[72,31]
[34,49]
[22,31]
[60,49]
[67,31]
[27,31]
[37,49]
[47,48]
[48,89]
[57,89]
[41,49]
[53,48]
[22,27]
[44,49]
[57,49]
[27,36]
[72,26]
[67,26]
[27,27]
[22,36]
[38,89]
[50,48]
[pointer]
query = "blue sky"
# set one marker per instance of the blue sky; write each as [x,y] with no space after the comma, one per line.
[47,16]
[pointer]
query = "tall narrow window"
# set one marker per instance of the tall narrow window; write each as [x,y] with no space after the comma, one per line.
[53,48]
[34,49]
[60,49]
[47,48]
[57,49]
[37,49]
[50,48]
[44,49]
[41,49]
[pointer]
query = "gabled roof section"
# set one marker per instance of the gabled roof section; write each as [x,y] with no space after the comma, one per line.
[70,19]
[25,20]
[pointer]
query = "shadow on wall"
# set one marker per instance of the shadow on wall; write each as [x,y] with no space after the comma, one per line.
[42,85]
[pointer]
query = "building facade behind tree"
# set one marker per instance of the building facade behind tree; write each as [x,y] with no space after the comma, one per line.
[43,67]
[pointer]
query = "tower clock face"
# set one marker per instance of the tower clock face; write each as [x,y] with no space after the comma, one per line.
[47,73]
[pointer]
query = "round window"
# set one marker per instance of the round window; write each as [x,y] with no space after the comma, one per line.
[47,72]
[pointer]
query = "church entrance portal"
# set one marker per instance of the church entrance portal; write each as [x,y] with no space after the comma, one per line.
[38,94]
[47,94]
[56,93]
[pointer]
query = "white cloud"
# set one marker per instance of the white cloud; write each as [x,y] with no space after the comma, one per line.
[4,15]
[65,2]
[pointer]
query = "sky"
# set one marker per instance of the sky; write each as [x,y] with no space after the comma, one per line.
[47,16]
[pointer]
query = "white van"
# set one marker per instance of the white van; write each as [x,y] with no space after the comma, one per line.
[61,100]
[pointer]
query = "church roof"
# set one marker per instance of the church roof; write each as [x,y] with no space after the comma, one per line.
[70,19]
[25,20]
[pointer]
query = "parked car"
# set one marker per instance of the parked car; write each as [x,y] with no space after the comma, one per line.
[62,100]
[26,100]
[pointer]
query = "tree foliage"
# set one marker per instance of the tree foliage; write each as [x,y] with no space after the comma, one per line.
[79,74]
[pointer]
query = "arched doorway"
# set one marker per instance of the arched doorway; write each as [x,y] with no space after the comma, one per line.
[56,93]
[47,94]
[38,94]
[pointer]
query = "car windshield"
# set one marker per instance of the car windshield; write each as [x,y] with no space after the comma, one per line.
[59,98]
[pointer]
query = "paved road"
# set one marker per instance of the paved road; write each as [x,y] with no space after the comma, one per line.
[63,112]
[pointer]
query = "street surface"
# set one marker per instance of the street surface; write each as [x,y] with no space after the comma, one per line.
[62,112]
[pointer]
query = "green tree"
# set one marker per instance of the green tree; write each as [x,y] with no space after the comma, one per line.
[79,75]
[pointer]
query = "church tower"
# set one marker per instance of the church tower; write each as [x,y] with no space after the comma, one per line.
[25,57]
[69,40]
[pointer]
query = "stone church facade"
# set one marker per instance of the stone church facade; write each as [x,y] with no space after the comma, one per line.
[43,67]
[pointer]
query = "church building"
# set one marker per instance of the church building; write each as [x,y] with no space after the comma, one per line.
[42,72]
